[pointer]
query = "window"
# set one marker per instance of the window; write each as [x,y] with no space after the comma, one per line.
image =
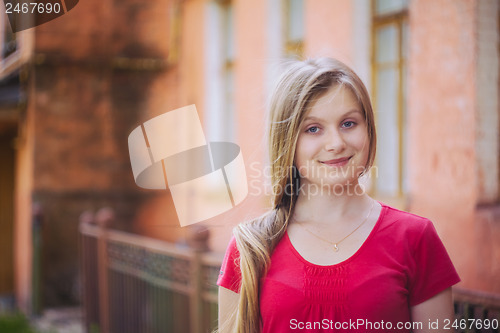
[390,36]
[14,47]
[228,70]
[487,103]
[174,31]
[9,43]
[294,27]
[220,77]
[220,108]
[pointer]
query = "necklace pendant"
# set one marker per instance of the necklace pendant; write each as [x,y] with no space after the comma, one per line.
[335,248]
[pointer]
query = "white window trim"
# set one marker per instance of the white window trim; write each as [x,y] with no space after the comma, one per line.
[214,69]
[487,103]
[23,51]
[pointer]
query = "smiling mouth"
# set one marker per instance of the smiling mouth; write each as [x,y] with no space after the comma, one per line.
[338,162]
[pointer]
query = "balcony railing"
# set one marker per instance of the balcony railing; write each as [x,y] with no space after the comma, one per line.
[476,311]
[137,284]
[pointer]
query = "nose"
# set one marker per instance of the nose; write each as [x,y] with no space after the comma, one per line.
[335,141]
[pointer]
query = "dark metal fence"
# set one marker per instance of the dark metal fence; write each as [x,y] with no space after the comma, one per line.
[475,312]
[134,284]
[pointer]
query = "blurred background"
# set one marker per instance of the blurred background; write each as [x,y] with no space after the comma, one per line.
[75,230]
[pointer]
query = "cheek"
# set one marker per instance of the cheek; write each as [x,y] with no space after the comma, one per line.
[364,148]
[360,139]
[361,143]
[303,152]
[364,144]
[299,152]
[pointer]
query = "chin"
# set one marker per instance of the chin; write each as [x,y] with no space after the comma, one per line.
[330,186]
[340,182]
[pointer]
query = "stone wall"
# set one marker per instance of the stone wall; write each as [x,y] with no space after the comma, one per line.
[92,75]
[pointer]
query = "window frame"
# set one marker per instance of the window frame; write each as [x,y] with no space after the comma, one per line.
[292,47]
[24,45]
[398,19]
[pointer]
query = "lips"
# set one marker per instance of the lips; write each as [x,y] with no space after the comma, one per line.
[338,162]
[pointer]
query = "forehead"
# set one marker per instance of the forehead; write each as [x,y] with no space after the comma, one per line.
[336,101]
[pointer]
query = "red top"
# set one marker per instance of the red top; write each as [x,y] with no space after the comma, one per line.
[402,263]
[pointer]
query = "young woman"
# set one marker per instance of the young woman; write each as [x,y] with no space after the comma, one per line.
[328,257]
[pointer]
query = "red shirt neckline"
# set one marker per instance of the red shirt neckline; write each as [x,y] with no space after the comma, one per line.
[361,248]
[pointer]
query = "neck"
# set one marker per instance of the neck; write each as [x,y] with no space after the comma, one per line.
[337,206]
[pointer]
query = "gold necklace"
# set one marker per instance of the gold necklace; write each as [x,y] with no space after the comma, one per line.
[335,244]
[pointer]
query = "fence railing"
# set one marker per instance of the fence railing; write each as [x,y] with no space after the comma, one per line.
[475,311]
[137,284]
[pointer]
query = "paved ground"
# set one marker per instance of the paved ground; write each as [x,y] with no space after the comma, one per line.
[60,320]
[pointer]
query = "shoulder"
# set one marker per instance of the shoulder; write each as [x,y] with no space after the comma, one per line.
[232,249]
[401,218]
[230,274]
[405,224]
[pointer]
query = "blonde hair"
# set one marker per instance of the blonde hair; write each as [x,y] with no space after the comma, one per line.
[298,86]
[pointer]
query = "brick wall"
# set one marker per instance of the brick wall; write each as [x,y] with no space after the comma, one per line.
[444,118]
[91,84]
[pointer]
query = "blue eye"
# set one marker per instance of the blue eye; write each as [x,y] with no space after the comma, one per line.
[348,124]
[313,129]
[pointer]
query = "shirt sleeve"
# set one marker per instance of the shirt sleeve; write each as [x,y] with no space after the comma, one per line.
[230,273]
[432,270]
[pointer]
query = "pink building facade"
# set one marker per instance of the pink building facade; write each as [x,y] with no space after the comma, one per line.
[432,68]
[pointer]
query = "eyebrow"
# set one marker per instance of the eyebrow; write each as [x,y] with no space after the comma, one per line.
[344,115]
